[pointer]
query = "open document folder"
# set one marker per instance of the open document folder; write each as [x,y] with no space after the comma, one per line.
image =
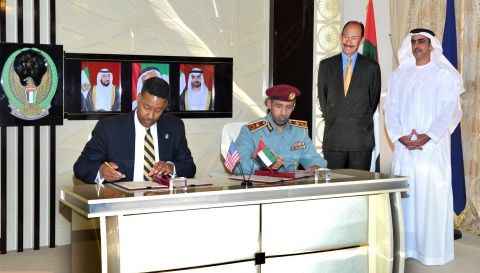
[140,185]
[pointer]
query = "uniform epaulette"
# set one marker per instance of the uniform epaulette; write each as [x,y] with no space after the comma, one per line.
[253,126]
[298,123]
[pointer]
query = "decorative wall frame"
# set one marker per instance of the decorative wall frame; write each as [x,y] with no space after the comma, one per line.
[82,74]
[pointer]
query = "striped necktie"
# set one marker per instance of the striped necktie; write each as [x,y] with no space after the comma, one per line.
[347,77]
[149,155]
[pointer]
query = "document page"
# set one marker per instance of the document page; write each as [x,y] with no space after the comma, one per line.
[140,185]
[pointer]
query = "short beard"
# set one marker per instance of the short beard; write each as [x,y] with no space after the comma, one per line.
[277,122]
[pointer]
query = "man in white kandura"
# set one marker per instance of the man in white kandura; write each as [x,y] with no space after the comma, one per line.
[196,95]
[422,109]
[104,96]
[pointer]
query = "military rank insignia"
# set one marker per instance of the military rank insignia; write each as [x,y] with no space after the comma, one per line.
[29,79]
[297,146]
[253,126]
[298,123]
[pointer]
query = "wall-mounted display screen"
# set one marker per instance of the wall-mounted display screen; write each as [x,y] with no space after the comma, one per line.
[96,85]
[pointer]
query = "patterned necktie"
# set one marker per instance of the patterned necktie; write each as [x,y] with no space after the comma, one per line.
[149,155]
[347,77]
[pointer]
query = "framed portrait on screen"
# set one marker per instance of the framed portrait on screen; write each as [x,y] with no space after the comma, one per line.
[197,90]
[98,85]
[144,71]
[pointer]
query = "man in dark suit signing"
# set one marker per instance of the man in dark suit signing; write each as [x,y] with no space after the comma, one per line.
[116,150]
[349,87]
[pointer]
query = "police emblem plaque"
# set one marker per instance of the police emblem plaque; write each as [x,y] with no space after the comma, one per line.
[31,80]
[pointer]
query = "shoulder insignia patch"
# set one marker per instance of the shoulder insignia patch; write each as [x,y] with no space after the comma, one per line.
[253,126]
[298,123]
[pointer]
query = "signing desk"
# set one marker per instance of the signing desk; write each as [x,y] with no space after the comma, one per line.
[354,223]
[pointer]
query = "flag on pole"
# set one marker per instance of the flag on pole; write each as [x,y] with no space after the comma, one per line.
[449,45]
[183,82]
[260,147]
[232,157]
[370,44]
[370,51]
[264,156]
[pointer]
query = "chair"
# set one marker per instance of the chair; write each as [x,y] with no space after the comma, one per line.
[230,132]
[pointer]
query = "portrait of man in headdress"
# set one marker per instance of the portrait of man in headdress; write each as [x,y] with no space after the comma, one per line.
[196,94]
[143,71]
[104,95]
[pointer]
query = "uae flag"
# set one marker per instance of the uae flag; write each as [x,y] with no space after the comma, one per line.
[458,172]
[370,51]
[85,81]
[183,81]
[370,44]
[260,147]
[264,156]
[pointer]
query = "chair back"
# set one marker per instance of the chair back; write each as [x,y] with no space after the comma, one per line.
[230,132]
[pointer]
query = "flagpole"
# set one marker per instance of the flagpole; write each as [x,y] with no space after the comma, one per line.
[246,182]
[243,174]
[233,159]
[449,45]
[261,145]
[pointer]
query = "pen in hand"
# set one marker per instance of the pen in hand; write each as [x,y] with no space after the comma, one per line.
[113,176]
[106,163]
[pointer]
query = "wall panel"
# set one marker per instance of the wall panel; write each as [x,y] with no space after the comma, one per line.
[226,28]
[28,208]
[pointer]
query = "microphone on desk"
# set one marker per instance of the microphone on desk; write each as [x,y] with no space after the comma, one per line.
[246,182]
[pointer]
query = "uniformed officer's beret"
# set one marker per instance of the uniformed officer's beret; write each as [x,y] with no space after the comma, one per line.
[283,92]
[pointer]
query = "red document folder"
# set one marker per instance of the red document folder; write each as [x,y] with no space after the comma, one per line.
[291,175]
[275,174]
[162,180]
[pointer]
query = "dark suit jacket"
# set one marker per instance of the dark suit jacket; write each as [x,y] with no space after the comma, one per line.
[348,120]
[113,140]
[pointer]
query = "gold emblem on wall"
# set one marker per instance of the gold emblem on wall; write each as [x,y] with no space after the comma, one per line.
[30,80]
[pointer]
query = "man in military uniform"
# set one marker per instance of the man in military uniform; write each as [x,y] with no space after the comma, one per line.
[287,138]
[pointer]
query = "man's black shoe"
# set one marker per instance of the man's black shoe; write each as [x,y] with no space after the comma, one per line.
[457,234]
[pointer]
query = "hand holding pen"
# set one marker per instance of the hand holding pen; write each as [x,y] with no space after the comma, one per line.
[109,171]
